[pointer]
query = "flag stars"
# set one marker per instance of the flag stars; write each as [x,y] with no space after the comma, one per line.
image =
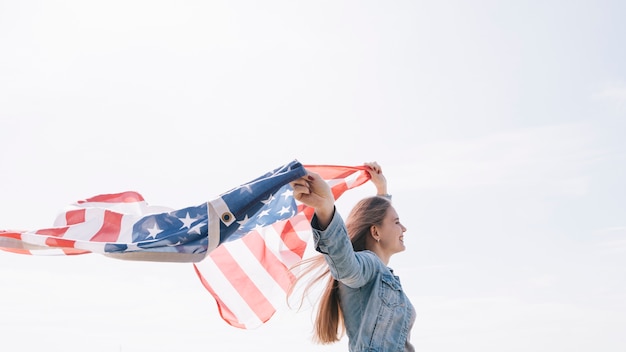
[268,200]
[284,210]
[287,193]
[154,231]
[187,221]
[195,230]
[263,213]
[244,220]
[180,241]
[246,188]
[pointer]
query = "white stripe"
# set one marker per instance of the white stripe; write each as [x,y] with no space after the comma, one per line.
[302,226]
[40,240]
[332,183]
[276,245]
[96,247]
[47,251]
[272,291]
[351,179]
[136,208]
[126,228]
[32,238]
[94,219]
[227,293]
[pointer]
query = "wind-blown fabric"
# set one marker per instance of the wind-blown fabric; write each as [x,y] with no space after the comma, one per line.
[241,243]
[249,278]
[123,225]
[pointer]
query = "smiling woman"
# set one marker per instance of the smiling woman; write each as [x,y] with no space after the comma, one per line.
[363,297]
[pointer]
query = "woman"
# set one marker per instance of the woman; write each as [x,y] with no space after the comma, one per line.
[363,297]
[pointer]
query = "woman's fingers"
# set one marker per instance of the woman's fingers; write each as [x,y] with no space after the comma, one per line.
[300,185]
[300,188]
[374,167]
[312,190]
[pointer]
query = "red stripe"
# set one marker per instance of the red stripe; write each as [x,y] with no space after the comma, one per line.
[339,189]
[15,235]
[336,172]
[15,250]
[67,251]
[274,267]
[28,252]
[290,235]
[110,230]
[245,287]
[56,231]
[55,241]
[74,217]
[124,197]
[59,242]
[225,313]
[232,270]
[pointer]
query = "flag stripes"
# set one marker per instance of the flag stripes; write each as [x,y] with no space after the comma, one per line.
[242,243]
[249,297]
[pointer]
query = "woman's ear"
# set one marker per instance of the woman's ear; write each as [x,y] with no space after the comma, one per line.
[373,231]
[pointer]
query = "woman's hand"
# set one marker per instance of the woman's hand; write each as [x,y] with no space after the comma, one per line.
[313,191]
[378,179]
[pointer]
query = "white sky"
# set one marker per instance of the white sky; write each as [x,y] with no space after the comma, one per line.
[499,126]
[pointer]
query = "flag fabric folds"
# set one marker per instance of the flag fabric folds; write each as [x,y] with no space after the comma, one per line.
[249,278]
[241,243]
[124,226]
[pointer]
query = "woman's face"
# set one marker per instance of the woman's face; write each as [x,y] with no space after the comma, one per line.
[391,233]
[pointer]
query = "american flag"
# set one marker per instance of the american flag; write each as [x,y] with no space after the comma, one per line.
[241,243]
[249,278]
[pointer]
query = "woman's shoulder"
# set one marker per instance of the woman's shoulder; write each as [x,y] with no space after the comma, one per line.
[371,258]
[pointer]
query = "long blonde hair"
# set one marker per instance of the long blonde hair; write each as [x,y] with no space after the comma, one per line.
[329,324]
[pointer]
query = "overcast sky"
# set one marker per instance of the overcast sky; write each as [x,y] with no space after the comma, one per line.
[499,125]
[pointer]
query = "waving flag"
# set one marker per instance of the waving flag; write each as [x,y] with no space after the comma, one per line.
[249,278]
[241,243]
[124,226]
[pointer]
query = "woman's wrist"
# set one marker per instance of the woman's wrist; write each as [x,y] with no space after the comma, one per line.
[324,216]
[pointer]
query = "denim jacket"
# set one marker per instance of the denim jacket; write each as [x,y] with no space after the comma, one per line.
[377,314]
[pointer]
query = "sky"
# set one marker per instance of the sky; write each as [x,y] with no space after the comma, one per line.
[498,124]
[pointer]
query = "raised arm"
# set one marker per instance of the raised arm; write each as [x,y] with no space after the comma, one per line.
[313,191]
[378,179]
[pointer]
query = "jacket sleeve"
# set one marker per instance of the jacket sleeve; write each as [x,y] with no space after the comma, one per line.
[353,269]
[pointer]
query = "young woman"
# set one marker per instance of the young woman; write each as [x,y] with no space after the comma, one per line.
[363,297]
